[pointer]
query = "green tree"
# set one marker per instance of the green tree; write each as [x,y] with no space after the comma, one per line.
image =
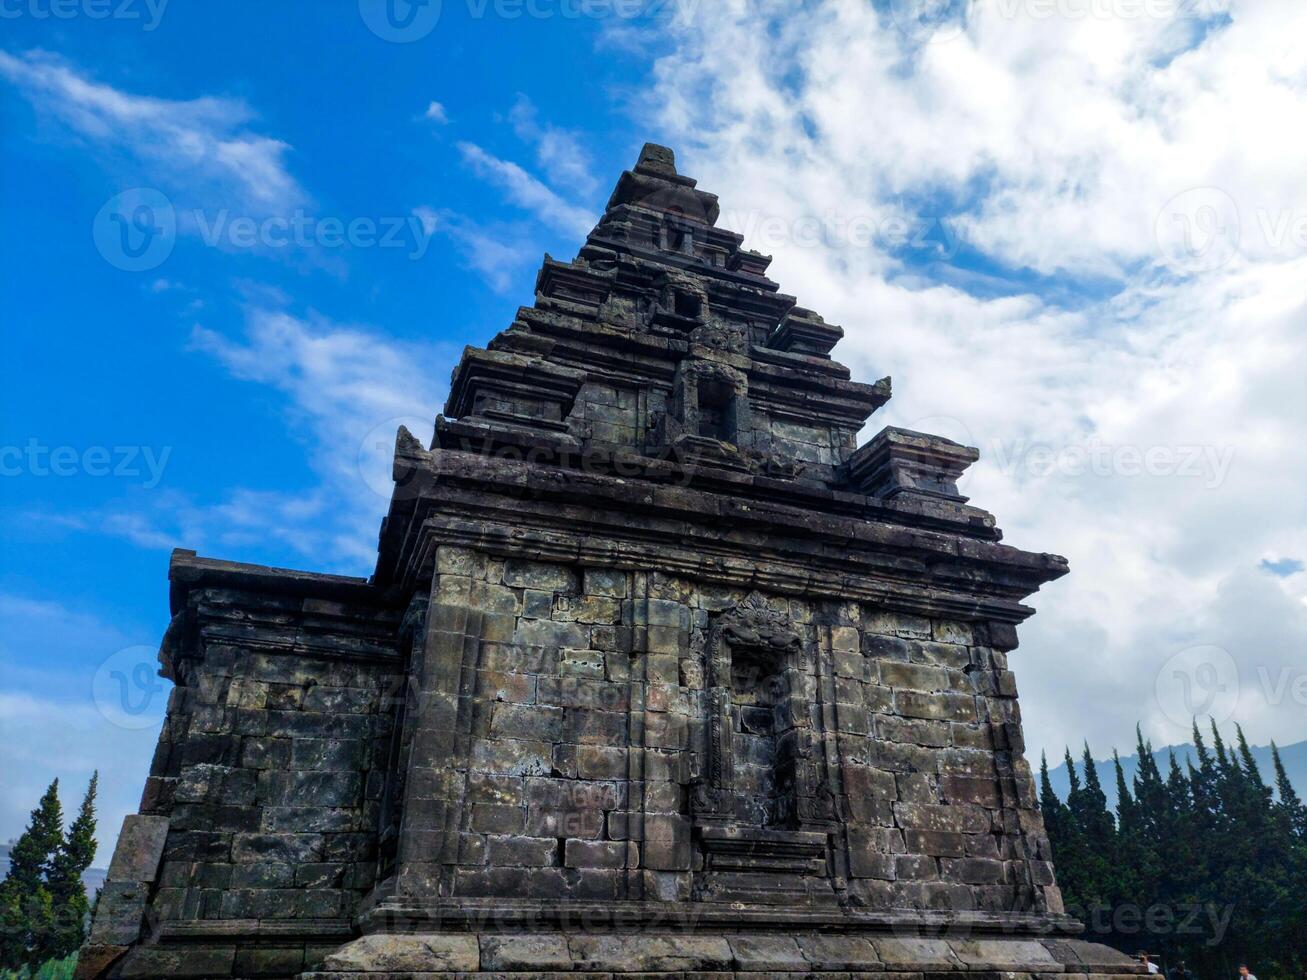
[67,890]
[1290,804]
[1097,832]
[1211,837]
[25,900]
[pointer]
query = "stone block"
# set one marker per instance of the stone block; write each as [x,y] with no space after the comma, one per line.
[118,914]
[595,854]
[177,962]
[140,848]
[532,722]
[95,959]
[551,822]
[649,953]
[601,762]
[492,818]
[522,852]
[970,789]
[540,576]
[513,757]
[283,848]
[407,954]
[760,953]
[910,953]
[605,582]
[839,953]
[916,677]
[1004,954]
[269,961]
[525,953]
[935,707]
[582,663]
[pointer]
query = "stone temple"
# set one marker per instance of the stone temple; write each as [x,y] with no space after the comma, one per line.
[659,673]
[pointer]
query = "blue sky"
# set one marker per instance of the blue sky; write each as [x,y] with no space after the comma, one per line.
[1016,179]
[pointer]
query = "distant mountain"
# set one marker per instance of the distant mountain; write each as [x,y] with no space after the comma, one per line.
[92,879]
[1293,756]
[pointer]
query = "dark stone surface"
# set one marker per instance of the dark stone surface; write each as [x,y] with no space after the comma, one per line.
[658,673]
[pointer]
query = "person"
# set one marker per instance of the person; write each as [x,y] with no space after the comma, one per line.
[1245,973]
[1181,972]
[1144,958]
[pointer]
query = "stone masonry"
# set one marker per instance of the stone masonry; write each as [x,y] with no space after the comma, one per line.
[658,673]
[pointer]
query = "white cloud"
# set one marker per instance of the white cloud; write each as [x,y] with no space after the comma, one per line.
[559,152]
[436,113]
[527,192]
[346,391]
[429,217]
[185,143]
[501,254]
[1054,145]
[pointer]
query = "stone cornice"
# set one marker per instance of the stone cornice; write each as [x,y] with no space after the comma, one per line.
[512,508]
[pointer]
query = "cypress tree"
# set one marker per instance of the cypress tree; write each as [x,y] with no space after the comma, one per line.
[1246,756]
[1125,815]
[1074,872]
[1218,744]
[1289,802]
[1049,803]
[1209,836]
[67,891]
[1098,822]
[25,900]
[1098,836]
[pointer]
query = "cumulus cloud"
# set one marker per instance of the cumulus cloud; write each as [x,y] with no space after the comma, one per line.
[186,144]
[1117,326]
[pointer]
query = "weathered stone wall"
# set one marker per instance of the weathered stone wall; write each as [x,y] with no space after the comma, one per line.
[272,765]
[260,813]
[581,732]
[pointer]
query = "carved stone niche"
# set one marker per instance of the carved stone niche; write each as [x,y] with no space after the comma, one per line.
[760,809]
[709,422]
[680,303]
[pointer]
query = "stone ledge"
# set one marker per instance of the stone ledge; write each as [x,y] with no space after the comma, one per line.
[758,957]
